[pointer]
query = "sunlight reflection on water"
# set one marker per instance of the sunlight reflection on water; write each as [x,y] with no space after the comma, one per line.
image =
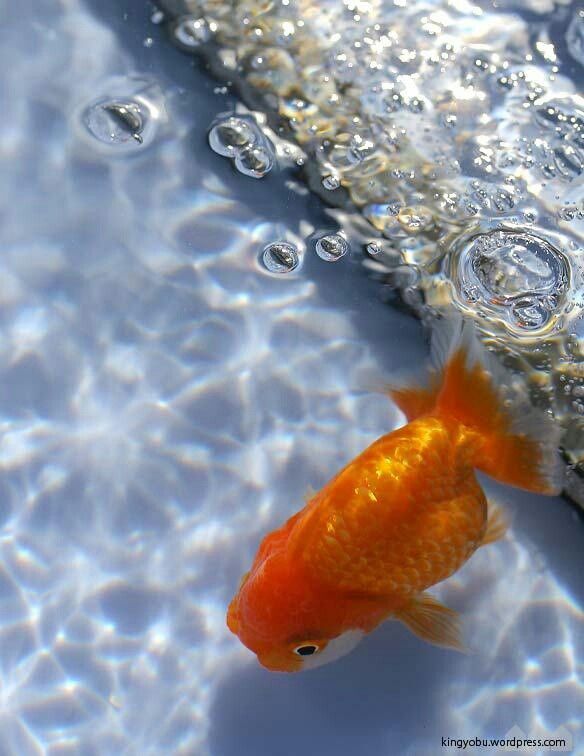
[164,401]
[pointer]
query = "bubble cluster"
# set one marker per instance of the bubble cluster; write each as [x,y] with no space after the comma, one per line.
[280,257]
[240,138]
[331,247]
[231,135]
[437,124]
[560,154]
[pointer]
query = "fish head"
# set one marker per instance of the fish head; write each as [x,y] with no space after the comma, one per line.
[287,622]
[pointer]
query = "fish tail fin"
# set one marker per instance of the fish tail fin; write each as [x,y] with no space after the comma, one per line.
[519,443]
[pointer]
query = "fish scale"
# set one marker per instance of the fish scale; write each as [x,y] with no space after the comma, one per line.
[386,535]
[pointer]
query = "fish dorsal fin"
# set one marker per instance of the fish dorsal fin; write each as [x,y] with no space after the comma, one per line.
[415,401]
[430,620]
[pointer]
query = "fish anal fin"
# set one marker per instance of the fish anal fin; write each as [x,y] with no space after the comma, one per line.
[430,620]
[497,524]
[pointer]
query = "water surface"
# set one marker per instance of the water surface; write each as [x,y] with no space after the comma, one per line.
[165,400]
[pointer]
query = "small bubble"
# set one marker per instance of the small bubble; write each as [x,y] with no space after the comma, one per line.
[567,213]
[393,102]
[157,17]
[230,136]
[359,149]
[148,42]
[529,313]
[373,249]
[254,161]
[190,32]
[331,182]
[280,257]
[415,105]
[416,218]
[331,247]
[470,293]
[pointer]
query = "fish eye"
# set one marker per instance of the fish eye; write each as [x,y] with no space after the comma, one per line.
[307,649]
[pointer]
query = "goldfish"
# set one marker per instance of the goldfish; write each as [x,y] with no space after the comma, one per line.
[404,515]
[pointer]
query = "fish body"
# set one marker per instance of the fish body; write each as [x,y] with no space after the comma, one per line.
[405,514]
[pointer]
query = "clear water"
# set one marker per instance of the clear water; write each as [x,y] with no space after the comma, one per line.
[165,400]
[439,123]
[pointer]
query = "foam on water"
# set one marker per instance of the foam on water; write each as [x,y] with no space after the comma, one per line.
[434,120]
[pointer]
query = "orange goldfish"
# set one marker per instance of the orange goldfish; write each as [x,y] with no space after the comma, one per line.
[405,514]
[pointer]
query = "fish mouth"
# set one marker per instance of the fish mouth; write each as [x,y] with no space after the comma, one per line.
[232,618]
[278,661]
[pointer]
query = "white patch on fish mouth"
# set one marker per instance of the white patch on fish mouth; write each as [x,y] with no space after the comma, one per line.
[335,648]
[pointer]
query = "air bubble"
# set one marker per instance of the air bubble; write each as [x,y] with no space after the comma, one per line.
[230,136]
[331,247]
[242,140]
[331,182]
[117,123]
[508,264]
[514,274]
[189,32]
[529,313]
[415,219]
[567,213]
[359,149]
[254,160]
[280,257]
[575,37]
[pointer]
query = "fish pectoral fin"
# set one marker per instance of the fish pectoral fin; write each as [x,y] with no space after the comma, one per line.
[497,524]
[430,620]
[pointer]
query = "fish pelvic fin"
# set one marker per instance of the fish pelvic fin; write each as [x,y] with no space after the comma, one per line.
[519,443]
[430,620]
[497,524]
